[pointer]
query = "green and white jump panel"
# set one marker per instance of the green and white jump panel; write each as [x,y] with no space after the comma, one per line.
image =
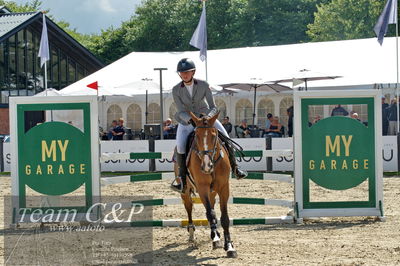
[204,222]
[170,175]
[54,158]
[231,200]
[338,153]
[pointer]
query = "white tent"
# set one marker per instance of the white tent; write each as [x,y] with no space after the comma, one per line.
[360,62]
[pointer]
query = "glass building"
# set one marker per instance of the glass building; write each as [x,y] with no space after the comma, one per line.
[20,71]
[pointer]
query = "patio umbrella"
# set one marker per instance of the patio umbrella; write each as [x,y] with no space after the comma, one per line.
[143,86]
[305,75]
[256,85]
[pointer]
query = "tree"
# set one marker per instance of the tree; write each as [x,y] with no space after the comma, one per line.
[345,19]
[30,6]
[271,22]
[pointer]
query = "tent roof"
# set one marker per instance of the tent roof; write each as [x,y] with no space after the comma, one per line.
[360,62]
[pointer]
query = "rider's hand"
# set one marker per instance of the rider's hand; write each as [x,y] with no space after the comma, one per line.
[191,122]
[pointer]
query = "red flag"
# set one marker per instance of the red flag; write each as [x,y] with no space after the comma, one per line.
[93,85]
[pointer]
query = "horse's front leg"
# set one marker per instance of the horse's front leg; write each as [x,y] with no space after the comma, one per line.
[211,217]
[187,201]
[228,246]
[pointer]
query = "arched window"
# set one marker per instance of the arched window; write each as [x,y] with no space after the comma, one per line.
[154,114]
[134,117]
[283,106]
[264,107]
[172,112]
[114,112]
[244,110]
[221,105]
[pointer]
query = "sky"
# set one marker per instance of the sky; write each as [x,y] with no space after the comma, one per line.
[90,16]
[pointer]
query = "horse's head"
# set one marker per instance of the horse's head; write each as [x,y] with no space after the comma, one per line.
[206,138]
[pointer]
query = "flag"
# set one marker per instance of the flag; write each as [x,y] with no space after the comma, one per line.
[44,44]
[93,85]
[199,38]
[388,16]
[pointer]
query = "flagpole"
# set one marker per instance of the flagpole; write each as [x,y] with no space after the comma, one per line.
[204,6]
[397,74]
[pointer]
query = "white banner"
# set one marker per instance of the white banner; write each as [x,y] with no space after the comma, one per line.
[282,163]
[389,155]
[248,163]
[7,157]
[135,165]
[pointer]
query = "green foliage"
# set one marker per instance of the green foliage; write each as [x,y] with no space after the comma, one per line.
[345,19]
[33,5]
[271,22]
[163,25]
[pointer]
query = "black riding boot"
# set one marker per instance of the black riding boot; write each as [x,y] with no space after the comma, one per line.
[239,173]
[182,172]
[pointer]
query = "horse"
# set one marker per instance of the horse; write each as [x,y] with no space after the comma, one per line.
[209,170]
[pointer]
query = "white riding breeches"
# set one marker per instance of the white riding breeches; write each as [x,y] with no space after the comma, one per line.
[183,132]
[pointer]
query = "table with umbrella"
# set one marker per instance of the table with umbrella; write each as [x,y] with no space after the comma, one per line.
[305,75]
[256,85]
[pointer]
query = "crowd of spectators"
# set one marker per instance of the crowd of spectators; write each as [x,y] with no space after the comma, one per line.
[273,127]
[115,132]
[389,117]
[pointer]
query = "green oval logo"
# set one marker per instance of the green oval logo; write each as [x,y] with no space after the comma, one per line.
[337,155]
[56,158]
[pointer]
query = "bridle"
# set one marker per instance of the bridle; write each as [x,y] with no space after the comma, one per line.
[212,152]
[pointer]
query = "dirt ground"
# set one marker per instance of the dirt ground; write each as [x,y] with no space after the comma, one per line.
[325,241]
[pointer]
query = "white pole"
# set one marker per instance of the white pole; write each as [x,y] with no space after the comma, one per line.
[204,6]
[45,76]
[397,74]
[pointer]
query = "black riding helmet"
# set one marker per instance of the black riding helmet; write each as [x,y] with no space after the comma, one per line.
[185,65]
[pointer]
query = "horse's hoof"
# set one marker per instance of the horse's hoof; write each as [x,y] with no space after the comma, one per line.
[231,254]
[217,244]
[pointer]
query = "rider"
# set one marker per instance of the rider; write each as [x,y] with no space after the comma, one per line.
[194,95]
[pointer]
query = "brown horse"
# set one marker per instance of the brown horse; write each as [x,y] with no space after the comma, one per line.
[208,165]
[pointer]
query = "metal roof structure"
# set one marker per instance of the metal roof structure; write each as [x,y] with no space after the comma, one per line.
[11,23]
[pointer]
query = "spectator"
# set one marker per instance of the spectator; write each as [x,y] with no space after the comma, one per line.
[290,121]
[275,128]
[392,117]
[119,130]
[385,121]
[339,111]
[168,128]
[316,119]
[243,130]
[110,133]
[267,124]
[269,120]
[227,125]
[102,134]
[354,115]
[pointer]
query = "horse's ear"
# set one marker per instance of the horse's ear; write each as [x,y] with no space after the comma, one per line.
[213,118]
[195,118]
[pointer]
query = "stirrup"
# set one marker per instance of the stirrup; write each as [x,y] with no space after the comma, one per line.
[178,187]
[239,173]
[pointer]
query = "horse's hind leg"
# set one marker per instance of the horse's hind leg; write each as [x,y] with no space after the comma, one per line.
[228,246]
[212,220]
[187,201]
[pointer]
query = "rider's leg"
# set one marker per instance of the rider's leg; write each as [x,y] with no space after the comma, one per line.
[239,173]
[181,140]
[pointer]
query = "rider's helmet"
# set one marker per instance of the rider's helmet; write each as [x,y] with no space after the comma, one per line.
[185,65]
